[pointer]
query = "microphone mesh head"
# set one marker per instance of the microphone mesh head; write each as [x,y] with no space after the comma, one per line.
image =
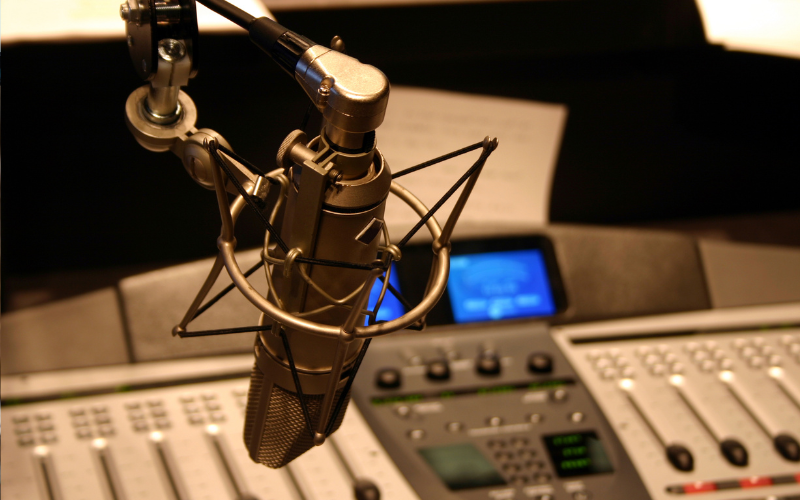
[284,435]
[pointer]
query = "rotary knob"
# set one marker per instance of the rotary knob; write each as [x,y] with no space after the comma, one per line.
[488,363]
[438,370]
[540,363]
[388,378]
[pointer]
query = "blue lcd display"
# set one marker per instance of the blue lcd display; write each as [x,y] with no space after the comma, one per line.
[499,285]
[391,308]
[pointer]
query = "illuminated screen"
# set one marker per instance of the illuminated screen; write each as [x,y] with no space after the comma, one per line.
[499,285]
[462,466]
[577,454]
[391,308]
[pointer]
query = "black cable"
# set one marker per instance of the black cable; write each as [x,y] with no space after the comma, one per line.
[297,386]
[224,331]
[252,168]
[394,291]
[487,150]
[440,159]
[224,292]
[230,12]
[346,389]
[247,198]
[306,117]
[338,263]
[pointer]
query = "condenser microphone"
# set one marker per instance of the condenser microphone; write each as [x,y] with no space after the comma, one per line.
[332,242]
[334,210]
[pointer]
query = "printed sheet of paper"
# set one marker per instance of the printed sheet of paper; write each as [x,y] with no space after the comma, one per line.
[73,20]
[514,187]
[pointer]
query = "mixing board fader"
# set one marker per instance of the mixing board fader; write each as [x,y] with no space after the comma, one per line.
[176,443]
[716,414]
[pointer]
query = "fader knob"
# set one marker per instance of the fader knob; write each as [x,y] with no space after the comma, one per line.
[680,457]
[734,452]
[540,362]
[488,363]
[438,370]
[788,447]
[366,490]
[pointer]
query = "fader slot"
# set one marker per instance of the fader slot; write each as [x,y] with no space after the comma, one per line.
[363,488]
[784,443]
[220,448]
[729,445]
[677,454]
[787,385]
[110,474]
[168,466]
[293,479]
[45,473]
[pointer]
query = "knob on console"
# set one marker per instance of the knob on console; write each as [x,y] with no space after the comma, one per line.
[388,378]
[488,363]
[734,452]
[788,447]
[680,457]
[540,362]
[438,370]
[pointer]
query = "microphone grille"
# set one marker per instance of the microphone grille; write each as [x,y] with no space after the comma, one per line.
[284,435]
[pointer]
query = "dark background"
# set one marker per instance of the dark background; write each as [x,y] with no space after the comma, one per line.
[663,130]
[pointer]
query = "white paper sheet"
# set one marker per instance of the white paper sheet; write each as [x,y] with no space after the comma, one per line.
[514,187]
[73,20]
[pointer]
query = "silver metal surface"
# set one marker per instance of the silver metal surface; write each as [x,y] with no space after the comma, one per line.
[152,136]
[162,105]
[358,93]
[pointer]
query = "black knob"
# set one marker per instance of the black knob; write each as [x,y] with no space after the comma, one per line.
[788,447]
[680,457]
[388,378]
[438,370]
[540,362]
[734,452]
[366,490]
[488,363]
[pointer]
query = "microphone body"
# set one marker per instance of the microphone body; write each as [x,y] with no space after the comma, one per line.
[335,227]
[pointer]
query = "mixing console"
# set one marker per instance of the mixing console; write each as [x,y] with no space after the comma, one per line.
[714,413]
[176,443]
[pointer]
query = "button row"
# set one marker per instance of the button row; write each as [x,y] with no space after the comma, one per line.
[82,420]
[26,432]
[138,413]
[193,408]
[487,363]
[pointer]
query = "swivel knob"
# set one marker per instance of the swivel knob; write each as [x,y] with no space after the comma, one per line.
[438,370]
[540,363]
[488,363]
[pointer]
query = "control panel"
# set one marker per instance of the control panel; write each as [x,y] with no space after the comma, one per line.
[713,414]
[178,443]
[491,413]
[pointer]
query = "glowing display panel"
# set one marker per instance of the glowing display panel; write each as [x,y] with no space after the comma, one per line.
[577,454]
[499,285]
[461,466]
